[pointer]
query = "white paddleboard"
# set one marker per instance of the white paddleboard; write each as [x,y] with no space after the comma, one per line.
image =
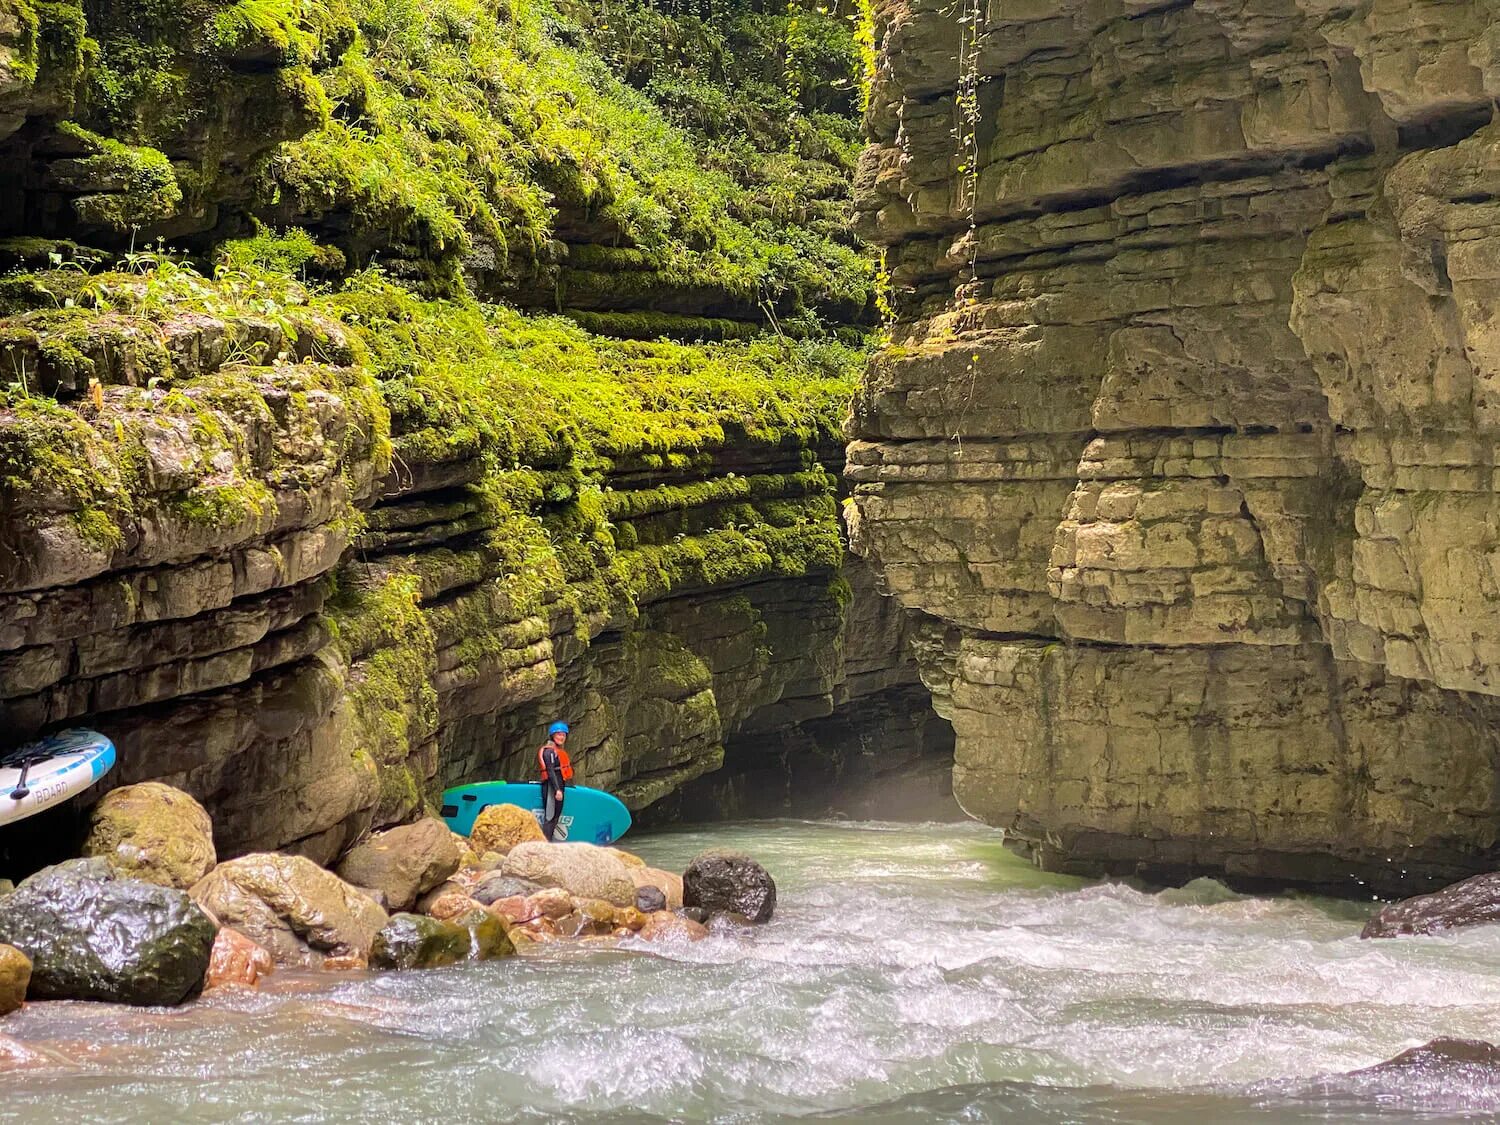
[62,766]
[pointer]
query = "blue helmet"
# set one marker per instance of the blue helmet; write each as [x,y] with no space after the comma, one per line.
[557,728]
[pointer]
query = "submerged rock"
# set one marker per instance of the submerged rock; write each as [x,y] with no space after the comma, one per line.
[404,862]
[582,870]
[298,912]
[15,975]
[731,882]
[154,833]
[92,935]
[499,828]
[236,960]
[1474,902]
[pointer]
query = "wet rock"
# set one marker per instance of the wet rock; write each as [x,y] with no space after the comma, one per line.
[488,937]
[92,935]
[404,862]
[582,870]
[499,885]
[453,904]
[345,963]
[414,941]
[668,882]
[237,961]
[15,975]
[554,903]
[154,833]
[499,828]
[693,914]
[664,926]
[289,905]
[1442,1055]
[729,881]
[1474,902]
[631,918]
[649,899]
[512,911]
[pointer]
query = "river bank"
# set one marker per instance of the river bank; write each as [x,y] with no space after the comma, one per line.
[910,972]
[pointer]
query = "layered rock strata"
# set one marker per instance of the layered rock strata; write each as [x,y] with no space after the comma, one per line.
[1184,447]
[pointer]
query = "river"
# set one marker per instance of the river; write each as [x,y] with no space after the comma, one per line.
[912,974]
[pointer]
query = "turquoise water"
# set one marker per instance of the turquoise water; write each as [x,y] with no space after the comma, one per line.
[911,975]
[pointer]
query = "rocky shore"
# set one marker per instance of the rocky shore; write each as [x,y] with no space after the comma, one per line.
[148,916]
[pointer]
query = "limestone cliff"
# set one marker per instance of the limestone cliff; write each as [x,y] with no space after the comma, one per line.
[1184,446]
[310,499]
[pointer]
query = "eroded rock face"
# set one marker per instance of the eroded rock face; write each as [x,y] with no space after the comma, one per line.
[93,936]
[1183,449]
[298,912]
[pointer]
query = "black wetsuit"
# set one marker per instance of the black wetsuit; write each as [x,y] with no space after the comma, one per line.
[552,784]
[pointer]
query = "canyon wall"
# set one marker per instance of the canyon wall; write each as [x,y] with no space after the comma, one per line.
[1183,451]
[311,500]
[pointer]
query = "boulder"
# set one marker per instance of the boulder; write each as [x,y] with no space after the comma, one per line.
[668,882]
[454,904]
[631,919]
[512,911]
[1474,902]
[154,833]
[582,870]
[92,935]
[15,975]
[403,862]
[289,905]
[499,828]
[488,936]
[665,926]
[498,885]
[730,882]
[1444,1058]
[237,961]
[629,859]
[413,941]
[649,899]
[552,903]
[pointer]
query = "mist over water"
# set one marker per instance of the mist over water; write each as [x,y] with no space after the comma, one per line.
[911,974]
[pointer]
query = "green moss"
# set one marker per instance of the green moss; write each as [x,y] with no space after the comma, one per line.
[141,186]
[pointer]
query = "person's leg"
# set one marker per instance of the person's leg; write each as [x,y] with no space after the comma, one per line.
[551,809]
[557,813]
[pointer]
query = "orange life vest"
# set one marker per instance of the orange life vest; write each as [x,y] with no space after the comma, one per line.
[562,758]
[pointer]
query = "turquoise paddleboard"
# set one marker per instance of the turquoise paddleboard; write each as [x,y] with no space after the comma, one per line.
[590,816]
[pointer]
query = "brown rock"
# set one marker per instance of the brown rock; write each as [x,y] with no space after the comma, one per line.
[499,828]
[512,910]
[454,904]
[346,963]
[554,902]
[630,918]
[582,870]
[1474,902]
[404,862]
[629,859]
[237,961]
[1445,1057]
[291,907]
[15,975]
[154,833]
[664,926]
[669,883]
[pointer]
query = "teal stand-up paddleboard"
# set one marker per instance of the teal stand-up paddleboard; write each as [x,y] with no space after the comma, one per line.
[590,816]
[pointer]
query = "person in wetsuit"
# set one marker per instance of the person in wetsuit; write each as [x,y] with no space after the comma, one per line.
[557,772]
